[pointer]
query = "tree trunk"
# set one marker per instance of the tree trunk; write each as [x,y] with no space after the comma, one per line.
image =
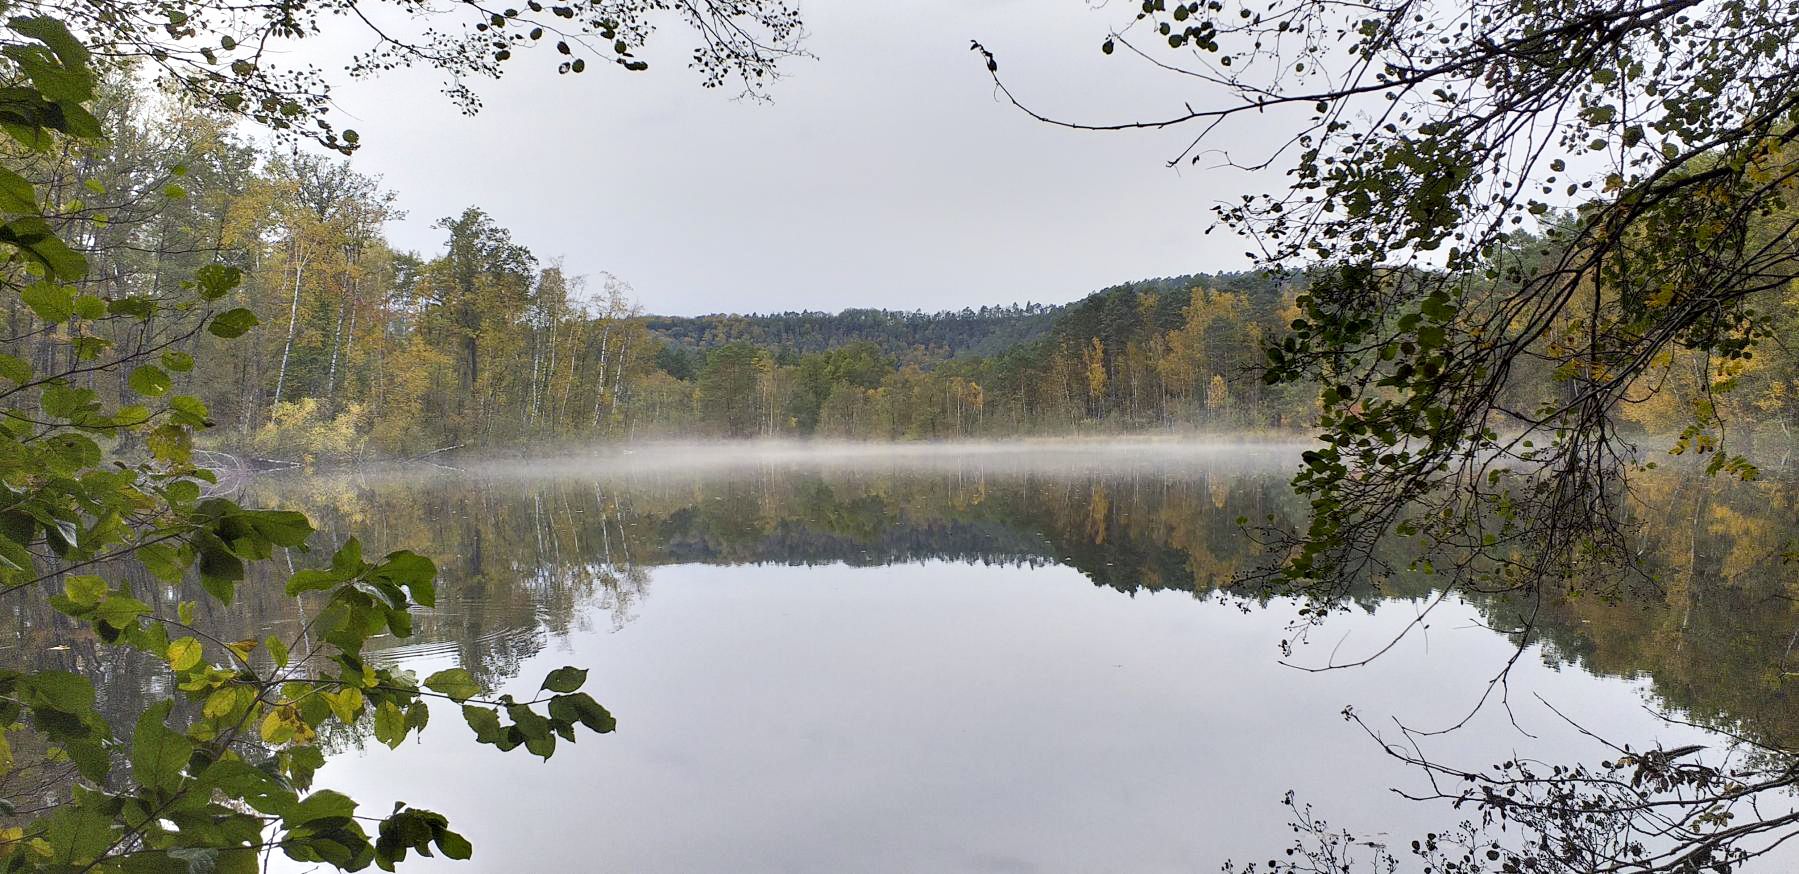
[337,337]
[599,392]
[293,322]
[618,382]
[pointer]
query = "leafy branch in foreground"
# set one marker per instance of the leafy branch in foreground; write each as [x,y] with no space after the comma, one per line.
[225,56]
[1519,219]
[232,778]
[234,782]
[1649,810]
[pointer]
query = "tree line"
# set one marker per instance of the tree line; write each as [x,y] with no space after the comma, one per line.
[361,346]
[366,348]
[1157,354]
[916,335]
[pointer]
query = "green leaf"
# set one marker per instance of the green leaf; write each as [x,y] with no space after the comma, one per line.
[486,723]
[80,832]
[323,804]
[411,570]
[454,682]
[539,736]
[33,238]
[311,580]
[85,590]
[158,753]
[390,724]
[90,307]
[58,84]
[217,280]
[454,846]
[565,679]
[51,302]
[55,35]
[89,347]
[78,122]
[69,452]
[149,380]
[232,323]
[16,194]
[65,402]
[57,690]
[346,704]
[136,307]
[281,527]
[581,707]
[120,611]
[263,791]
[14,369]
[277,650]
[170,442]
[189,411]
[346,562]
[227,702]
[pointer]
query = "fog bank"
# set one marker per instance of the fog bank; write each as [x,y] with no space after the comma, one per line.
[1050,456]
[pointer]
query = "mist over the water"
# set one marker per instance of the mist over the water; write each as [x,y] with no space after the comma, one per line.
[1021,456]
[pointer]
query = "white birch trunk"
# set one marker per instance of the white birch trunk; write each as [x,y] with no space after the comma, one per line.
[293,322]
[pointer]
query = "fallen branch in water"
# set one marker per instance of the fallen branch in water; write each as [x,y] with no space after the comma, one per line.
[424,455]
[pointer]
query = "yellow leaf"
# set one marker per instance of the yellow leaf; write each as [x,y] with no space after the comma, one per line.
[275,729]
[184,654]
[346,704]
[222,702]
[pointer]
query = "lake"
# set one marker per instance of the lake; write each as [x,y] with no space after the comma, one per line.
[1001,658]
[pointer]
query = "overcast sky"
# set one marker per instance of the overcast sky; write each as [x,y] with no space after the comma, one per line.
[885,173]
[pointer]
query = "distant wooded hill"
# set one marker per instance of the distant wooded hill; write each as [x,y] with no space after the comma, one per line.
[900,335]
[920,337]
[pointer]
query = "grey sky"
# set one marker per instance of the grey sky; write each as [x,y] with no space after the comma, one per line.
[885,173]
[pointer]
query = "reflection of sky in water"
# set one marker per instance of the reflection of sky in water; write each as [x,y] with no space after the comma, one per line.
[959,718]
[825,663]
[951,717]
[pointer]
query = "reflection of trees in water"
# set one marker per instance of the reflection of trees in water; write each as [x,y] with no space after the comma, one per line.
[1715,636]
[35,637]
[515,567]
[522,563]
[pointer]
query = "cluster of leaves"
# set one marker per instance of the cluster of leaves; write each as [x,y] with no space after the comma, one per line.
[1594,191]
[223,57]
[1522,219]
[217,792]
[214,791]
[1653,810]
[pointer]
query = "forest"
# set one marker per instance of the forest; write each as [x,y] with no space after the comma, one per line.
[361,349]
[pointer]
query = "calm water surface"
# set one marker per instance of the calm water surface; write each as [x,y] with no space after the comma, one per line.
[993,660]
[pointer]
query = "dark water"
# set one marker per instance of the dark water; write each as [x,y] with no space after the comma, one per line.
[992,660]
